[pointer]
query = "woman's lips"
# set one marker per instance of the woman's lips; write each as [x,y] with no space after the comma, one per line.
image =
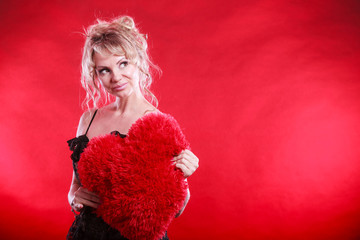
[119,87]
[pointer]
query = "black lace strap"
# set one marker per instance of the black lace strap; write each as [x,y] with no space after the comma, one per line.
[91,122]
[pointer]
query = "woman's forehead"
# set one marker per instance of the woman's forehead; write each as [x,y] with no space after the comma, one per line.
[103,53]
[107,50]
[100,59]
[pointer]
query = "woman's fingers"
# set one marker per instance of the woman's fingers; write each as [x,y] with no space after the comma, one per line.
[84,197]
[86,194]
[87,191]
[188,158]
[187,172]
[90,203]
[187,162]
[92,195]
[77,206]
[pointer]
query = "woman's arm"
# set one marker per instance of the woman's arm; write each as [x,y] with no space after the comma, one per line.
[74,186]
[188,163]
[187,198]
[79,196]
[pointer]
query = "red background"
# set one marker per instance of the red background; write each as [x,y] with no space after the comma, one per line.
[267,92]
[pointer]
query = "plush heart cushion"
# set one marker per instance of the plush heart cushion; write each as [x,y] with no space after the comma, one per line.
[141,190]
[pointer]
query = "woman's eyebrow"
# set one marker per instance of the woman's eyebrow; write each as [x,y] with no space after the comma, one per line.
[100,67]
[121,59]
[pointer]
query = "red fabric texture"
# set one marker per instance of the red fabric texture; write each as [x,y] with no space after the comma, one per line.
[141,190]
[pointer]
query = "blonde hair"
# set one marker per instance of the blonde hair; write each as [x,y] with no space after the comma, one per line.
[119,37]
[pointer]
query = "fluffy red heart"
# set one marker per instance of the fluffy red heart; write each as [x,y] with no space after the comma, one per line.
[141,190]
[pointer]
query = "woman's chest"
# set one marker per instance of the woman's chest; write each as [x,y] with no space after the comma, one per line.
[106,124]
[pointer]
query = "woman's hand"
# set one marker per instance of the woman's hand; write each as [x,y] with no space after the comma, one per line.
[187,162]
[84,197]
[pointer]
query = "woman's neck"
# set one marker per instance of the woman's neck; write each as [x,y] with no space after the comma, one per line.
[130,104]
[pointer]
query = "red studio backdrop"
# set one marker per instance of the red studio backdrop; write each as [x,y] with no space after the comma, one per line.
[267,93]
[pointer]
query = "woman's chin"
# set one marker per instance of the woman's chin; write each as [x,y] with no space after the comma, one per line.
[125,93]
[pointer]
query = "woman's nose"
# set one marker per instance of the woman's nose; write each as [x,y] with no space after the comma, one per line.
[116,76]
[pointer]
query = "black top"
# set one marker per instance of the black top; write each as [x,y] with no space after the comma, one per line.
[87,225]
[78,144]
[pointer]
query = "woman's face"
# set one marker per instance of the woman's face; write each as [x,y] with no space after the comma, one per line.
[117,75]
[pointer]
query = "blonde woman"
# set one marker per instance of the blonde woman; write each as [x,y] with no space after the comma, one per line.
[116,76]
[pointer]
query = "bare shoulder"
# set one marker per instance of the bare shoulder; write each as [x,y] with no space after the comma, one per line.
[84,121]
[150,109]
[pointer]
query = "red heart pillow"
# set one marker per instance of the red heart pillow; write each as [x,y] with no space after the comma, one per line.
[140,189]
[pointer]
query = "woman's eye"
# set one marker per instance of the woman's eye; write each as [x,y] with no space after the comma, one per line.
[103,71]
[124,64]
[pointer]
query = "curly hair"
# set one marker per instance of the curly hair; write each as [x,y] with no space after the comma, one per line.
[119,37]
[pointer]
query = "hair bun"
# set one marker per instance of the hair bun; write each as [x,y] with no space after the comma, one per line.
[126,22]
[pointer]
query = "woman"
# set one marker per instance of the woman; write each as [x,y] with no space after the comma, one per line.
[115,67]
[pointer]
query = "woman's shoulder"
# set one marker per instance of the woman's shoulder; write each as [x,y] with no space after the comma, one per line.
[85,121]
[152,110]
[159,117]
